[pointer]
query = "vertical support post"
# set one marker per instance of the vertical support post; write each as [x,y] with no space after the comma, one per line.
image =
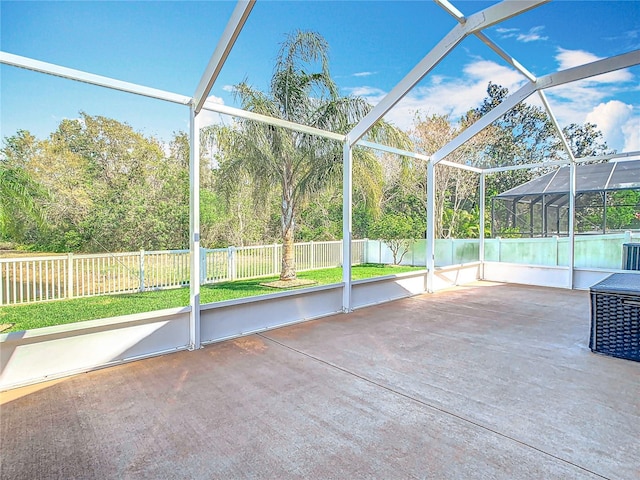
[312,254]
[453,251]
[431,234]
[572,215]
[70,275]
[231,263]
[194,230]
[141,270]
[493,217]
[347,206]
[531,218]
[413,252]
[276,259]
[544,216]
[604,213]
[482,220]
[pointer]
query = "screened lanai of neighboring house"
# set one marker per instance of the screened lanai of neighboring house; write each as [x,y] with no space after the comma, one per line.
[607,200]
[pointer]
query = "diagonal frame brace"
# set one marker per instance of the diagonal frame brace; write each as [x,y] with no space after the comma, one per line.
[220,54]
[552,80]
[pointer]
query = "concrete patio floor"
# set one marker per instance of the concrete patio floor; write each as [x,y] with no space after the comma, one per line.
[484,381]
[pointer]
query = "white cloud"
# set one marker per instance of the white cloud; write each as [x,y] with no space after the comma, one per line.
[373,94]
[507,31]
[228,88]
[533,35]
[631,132]
[573,58]
[363,74]
[610,117]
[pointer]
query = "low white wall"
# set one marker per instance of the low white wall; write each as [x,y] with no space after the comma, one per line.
[541,275]
[446,277]
[583,278]
[233,318]
[46,353]
[372,291]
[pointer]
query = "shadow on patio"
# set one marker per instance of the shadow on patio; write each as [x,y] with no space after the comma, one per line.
[482,381]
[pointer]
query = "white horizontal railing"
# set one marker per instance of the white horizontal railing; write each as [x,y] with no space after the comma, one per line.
[55,277]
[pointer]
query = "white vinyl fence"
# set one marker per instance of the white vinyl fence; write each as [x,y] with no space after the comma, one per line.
[36,279]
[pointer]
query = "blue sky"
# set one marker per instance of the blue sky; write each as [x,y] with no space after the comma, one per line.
[167,45]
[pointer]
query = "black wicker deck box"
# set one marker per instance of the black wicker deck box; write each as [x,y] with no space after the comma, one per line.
[615,316]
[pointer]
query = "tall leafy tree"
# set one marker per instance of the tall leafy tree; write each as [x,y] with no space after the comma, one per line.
[108,188]
[299,164]
[18,201]
[586,140]
[20,195]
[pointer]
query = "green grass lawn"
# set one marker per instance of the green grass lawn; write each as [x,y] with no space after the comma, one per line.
[35,315]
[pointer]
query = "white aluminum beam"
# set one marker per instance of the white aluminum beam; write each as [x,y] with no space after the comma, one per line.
[482,223]
[397,151]
[431,234]
[347,230]
[194,230]
[278,122]
[588,70]
[461,166]
[445,45]
[406,153]
[606,185]
[90,78]
[525,166]
[220,54]
[483,19]
[101,81]
[572,222]
[505,56]
[611,156]
[557,126]
[487,119]
[458,15]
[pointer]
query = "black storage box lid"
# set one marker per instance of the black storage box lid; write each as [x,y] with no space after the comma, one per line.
[618,283]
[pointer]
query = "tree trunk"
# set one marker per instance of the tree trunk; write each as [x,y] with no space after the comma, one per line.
[288,271]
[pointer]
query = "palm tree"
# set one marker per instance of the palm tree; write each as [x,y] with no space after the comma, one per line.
[300,163]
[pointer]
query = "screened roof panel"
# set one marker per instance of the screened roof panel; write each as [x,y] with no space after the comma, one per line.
[626,175]
[589,178]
